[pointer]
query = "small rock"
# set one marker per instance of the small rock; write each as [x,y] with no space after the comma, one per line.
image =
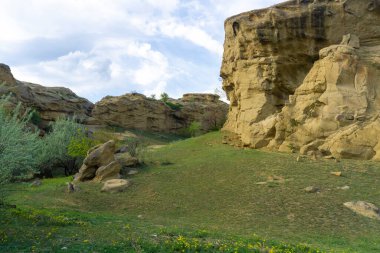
[133,172]
[311,189]
[261,183]
[70,188]
[36,183]
[115,185]
[345,188]
[291,217]
[139,216]
[64,248]
[298,158]
[336,173]
[364,208]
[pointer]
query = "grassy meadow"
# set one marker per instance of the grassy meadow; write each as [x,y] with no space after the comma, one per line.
[198,195]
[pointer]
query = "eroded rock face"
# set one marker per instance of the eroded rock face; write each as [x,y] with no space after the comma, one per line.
[284,98]
[50,102]
[136,111]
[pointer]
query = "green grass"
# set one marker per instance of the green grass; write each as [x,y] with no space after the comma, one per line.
[200,193]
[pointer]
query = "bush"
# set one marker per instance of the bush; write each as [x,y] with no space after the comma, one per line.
[65,134]
[194,128]
[175,107]
[19,146]
[35,118]
[164,97]
[78,147]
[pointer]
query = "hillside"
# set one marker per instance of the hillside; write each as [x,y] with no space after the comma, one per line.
[202,189]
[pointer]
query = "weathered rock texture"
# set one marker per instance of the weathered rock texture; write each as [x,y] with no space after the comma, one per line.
[136,111]
[100,164]
[364,208]
[50,102]
[292,86]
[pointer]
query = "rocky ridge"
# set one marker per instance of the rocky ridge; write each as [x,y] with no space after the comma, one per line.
[136,111]
[295,85]
[131,111]
[50,102]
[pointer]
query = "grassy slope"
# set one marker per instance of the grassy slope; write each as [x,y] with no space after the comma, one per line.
[201,185]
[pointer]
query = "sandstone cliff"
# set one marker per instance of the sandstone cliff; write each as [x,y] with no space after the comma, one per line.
[291,90]
[136,111]
[50,102]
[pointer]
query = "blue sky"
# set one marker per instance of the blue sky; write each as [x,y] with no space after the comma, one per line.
[98,47]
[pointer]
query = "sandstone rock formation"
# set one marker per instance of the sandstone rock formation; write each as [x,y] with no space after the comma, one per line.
[100,164]
[50,102]
[284,98]
[136,111]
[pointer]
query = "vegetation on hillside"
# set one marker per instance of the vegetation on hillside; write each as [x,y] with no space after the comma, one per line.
[23,153]
[198,195]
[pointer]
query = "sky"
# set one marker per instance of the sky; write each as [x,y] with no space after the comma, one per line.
[99,47]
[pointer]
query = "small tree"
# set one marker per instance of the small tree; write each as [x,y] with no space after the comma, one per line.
[164,97]
[19,146]
[194,128]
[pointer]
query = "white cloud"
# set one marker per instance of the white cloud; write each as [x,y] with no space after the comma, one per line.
[103,68]
[145,45]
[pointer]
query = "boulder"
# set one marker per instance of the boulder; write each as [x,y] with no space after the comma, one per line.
[99,164]
[115,185]
[136,111]
[100,155]
[110,171]
[295,85]
[364,208]
[126,160]
[312,189]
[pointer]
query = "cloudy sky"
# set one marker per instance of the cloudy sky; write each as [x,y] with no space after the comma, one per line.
[98,47]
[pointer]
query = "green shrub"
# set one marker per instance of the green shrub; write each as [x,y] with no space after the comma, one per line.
[164,97]
[19,146]
[173,106]
[79,146]
[35,118]
[64,132]
[194,128]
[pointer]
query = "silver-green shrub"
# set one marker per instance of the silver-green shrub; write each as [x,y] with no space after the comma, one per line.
[19,146]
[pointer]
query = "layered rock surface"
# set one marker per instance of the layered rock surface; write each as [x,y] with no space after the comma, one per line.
[283,97]
[50,102]
[136,111]
[100,164]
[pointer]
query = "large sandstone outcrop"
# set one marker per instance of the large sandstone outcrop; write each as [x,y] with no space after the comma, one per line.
[283,97]
[136,111]
[50,102]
